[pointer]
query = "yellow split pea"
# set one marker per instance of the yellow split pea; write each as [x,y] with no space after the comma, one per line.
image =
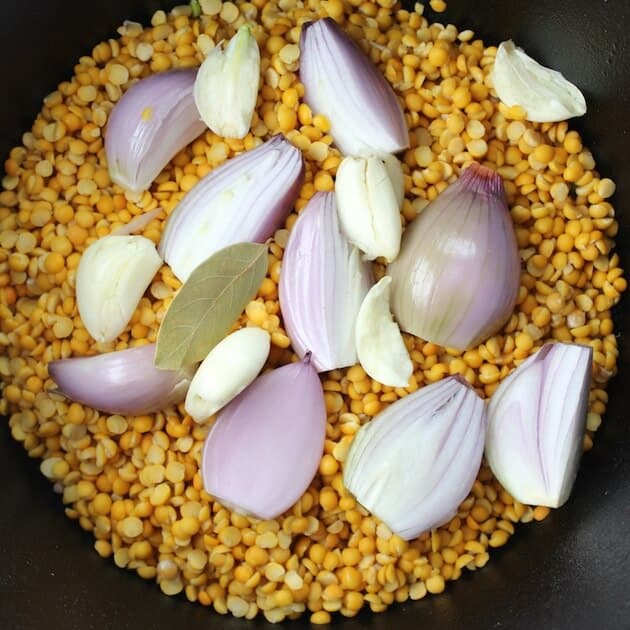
[134,482]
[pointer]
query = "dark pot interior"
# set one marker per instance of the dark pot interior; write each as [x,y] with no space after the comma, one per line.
[568,572]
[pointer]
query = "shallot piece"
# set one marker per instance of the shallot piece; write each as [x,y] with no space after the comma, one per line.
[244,200]
[415,462]
[265,446]
[341,83]
[154,120]
[121,382]
[456,279]
[322,285]
[536,422]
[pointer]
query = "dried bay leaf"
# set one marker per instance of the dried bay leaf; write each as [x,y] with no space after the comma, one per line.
[210,301]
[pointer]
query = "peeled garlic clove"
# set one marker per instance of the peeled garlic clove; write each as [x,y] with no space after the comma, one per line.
[245,199]
[396,176]
[227,85]
[368,207]
[153,121]
[227,370]
[415,462]
[122,382]
[543,93]
[265,446]
[456,279]
[536,422]
[322,285]
[342,83]
[113,273]
[380,346]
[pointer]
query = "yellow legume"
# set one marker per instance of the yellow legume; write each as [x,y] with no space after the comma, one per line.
[135,480]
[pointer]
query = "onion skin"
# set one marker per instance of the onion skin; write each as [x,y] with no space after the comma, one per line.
[342,83]
[457,277]
[244,200]
[265,446]
[125,382]
[152,122]
[415,462]
[322,286]
[537,418]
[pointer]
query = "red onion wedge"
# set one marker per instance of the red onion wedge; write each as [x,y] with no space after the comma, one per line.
[415,462]
[125,381]
[244,200]
[343,84]
[456,279]
[155,118]
[265,446]
[537,418]
[322,286]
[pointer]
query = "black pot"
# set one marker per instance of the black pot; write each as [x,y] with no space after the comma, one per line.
[569,572]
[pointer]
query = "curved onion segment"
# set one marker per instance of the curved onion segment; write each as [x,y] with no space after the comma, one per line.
[244,200]
[154,120]
[125,381]
[341,83]
[415,462]
[265,446]
[456,279]
[322,285]
[536,422]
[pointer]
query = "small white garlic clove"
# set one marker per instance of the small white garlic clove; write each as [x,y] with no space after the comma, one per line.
[227,370]
[396,176]
[113,273]
[543,93]
[368,206]
[226,87]
[380,346]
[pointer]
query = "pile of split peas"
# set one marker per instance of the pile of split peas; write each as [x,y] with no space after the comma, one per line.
[134,482]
